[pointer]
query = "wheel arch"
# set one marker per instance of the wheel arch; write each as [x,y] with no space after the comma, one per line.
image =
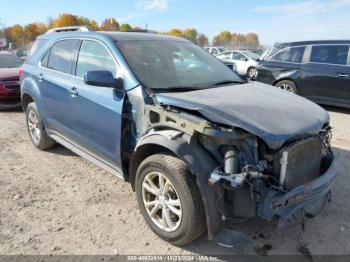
[26,100]
[288,79]
[196,158]
[30,92]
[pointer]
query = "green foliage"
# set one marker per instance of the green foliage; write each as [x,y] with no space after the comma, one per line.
[125,27]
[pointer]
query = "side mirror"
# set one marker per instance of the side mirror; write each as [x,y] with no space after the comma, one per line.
[103,78]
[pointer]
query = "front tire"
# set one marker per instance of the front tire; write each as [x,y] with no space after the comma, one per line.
[36,129]
[288,86]
[169,199]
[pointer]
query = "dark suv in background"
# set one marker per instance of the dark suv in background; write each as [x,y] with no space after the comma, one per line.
[317,70]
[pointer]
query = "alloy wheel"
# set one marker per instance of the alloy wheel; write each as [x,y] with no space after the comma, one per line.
[286,87]
[161,201]
[253,73]
[34,129]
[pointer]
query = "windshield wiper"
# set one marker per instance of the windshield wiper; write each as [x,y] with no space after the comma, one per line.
[179,88]
[226,82]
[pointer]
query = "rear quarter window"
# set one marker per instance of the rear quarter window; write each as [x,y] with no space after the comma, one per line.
[37,45]
[289,54]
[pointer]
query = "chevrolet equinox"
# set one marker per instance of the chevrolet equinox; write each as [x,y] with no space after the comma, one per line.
[201,148]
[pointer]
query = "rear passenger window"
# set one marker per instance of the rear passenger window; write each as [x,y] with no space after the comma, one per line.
[94,56]
[330,54]
[290,54]
[36,46]
[45,59]
[61,56]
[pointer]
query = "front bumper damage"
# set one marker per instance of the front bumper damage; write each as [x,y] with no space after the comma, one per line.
[300,203]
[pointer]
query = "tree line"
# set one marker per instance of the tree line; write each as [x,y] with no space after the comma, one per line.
[22,35]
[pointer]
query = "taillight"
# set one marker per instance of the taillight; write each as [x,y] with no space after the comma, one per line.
[20,73]
[3,91]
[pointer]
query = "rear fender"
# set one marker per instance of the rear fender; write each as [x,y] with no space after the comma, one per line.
[30,87]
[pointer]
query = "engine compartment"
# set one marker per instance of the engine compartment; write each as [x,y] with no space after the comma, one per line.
[251,171]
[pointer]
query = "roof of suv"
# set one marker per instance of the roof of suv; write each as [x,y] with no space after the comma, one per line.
[115,36]
[313,42]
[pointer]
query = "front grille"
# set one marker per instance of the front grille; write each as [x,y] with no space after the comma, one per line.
[300,162]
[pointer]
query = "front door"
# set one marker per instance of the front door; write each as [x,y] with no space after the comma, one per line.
[96,112]
[241,63]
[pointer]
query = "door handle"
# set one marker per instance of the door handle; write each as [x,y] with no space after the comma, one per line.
[73,91]
[41,77]
[341,75]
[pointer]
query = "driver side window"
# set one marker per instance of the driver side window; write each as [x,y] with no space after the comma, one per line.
[214,51]
[238,56]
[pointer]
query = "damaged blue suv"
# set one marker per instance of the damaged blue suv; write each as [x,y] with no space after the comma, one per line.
[200,147]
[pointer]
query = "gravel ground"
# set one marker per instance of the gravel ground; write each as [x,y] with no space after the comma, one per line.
[57,203]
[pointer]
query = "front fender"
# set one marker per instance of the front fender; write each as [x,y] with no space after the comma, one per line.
[199,162]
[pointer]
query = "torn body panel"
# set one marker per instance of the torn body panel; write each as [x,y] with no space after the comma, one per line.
[238,170]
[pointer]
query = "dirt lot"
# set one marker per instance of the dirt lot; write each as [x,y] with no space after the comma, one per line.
[57,203]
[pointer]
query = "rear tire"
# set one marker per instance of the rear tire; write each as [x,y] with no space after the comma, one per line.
[36,130]
[288,86]
[187,222]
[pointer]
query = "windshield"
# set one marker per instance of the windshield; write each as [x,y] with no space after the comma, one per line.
[173,64]
[221,49]
[10,61]
[251,55]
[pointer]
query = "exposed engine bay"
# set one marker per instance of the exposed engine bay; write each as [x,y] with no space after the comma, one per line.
[250,173]
[255,178]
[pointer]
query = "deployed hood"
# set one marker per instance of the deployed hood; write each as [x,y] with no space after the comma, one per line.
[271,114]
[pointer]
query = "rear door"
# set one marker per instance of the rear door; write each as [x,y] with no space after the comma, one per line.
[55,76]
[95,117]
[241,63]
[327,75]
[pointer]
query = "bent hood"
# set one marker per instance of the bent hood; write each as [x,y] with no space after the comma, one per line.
[271,114]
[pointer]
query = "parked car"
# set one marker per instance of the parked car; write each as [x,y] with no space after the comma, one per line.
[9,81]
[231,65]
[200,147]
[245,61]
[317,70]
[214,50]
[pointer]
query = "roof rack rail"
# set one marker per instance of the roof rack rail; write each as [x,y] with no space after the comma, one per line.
[141,31]
[69,29]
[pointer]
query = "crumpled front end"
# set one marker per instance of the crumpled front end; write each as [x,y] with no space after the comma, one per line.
[244,176]
[291,184]
[301,203]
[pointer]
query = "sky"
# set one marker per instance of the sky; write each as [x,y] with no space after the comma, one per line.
[274,21]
